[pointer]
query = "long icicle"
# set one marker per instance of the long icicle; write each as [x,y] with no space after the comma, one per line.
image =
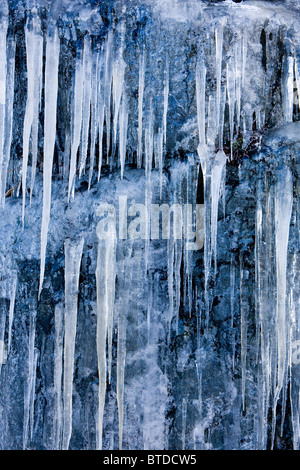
[10,83]
[86,105]
[105,281]
[73,255]
[140,107]
[77,122]
[34,56]
[51,86]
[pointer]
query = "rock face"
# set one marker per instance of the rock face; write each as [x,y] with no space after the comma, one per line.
[149,229]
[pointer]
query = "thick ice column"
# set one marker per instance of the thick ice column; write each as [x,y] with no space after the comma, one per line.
[58,369]
[140,107]
[105,281]
[283,211]
[51,86]
[34,59]
[217,172]
[86,105]
[73,255]
[10,82]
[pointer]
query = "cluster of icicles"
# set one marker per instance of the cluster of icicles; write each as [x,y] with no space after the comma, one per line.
[99,78]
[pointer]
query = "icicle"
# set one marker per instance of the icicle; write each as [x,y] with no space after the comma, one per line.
[13,289]
[73,255]
[219,47]
[51,86]
[108,70]
[166,100]
[140,106]
[283,211]
[29,392]
[101,109]
[34,58]
[95,98]
[77,122]
[217,171]
[123,123]
[10,82]
[86,106]
[119,67]
[149,147]
[231,100]
[158,151]
[58,365]
[238,80]
[244,57]
[105,280]
[288,88]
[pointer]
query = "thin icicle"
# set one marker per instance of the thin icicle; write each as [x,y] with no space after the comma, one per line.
[96,64]
[58,367]
[123,124]
[101,110]
[105,281]
[119,67]
[73,255]
[77,122]
[13,289]
[238,79]
[108,73]
[10,83]
[34,59]
[166,100]
[86,105]
[51,86]
[231,100]
[140,106]
[159,157]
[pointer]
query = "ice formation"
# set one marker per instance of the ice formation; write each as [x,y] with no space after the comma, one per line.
[192,111]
